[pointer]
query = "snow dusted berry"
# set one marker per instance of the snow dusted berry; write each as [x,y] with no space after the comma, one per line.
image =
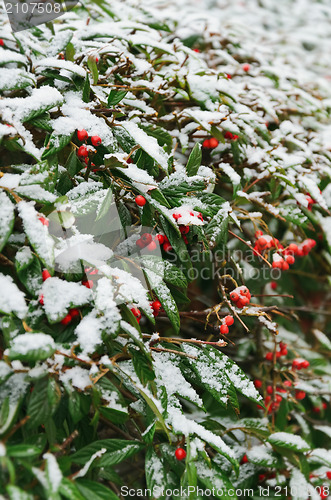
[180,454]
[45,275]
[287,383]
[246,67]
[66,320]
[290,259]
[44,221]
[82,135]
[262,243]
[258,383]
[140,200]
[82,151]
[300,395]
[229,77]
[88,283]
[41,300]
[224,329]
[229,320]
[96,140]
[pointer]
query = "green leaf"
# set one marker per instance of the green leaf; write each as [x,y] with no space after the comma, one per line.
[115,96]
[194,160]
[69,490]
[115,416]
[55,144]
[23,451]
[117,450]
[7,218]
[92,489]
[92,65]
[73,165]
[105,205]
[15,493]
[42,404]
[86,89]
[23,347]
[143,367]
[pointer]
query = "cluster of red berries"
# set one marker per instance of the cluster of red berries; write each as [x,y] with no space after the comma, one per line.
[229,135]
[73,313]
[211,143]
[83,150]
[240,296]
[147,241]
[281,352]
[155,305]
[265,242]
[300,364]
[226,322]
[180,454]
[318,409]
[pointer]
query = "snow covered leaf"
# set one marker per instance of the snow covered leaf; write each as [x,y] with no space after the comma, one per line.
[12,299]
[117,450]
[31,347]
[7,218]
[320,456]
[289,441]
[29,270]
[60,296]
[53,475]
[16,493]
[37,233]
[155,473]
[55,144]
[95,490]
[264,456]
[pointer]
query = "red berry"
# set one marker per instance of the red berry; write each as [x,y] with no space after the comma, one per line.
[258,234]
[304,364]
[160,238]
[140,243]
[229,320]
[262,242]
[296,364]
[290,259]
[273,285]
[82,151]
[88,283]
[258,383]
[228,135]
[45,275]
[235,137]
[2,43]
[229,77]
[213,143]
[152,246]
[140,200]
[82,135]
[167,247]
[234,296]
[324,406]
[269,389]
[269,356]
[96,140]
[261,477]
[66,320]
[284,352]
[299,395]
[196,50]
[156,305]
[324,495]
[244,301]
[224,329]
[146,238]
[184,229]
[244,459]
[246,67]
[277,264]
[293,248]
[180,454]
[74,312]
[44,221]
[328,474]
[278,398]
[285,266]
[176,216]
[287,383]
[206,144]
[136,313]
[316,409]
[41,300]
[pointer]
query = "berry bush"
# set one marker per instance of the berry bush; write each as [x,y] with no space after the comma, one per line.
[165,236]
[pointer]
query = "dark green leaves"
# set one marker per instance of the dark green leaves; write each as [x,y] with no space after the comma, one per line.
[194,160]
[115,97]
[115,451]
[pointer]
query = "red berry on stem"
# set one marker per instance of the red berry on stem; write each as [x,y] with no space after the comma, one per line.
[160,238]
[82,135]
[66,320]
[213,143]
[180,454]
[293,248]
[156,305]
[224,329]
[273,285]
[2,43]
[324,406]
[45,275]
[299,395]
[140,200]
[304,364]
[269,356]
[152,246]
[258,383]
[146,238]
[88,283]
[234,296]
[96,140]
[229,320]
[136,313]
[290,259]
[244,459]
[258,234]
[269,389]
[246,67]
[82,151]
[317,409]
[296,364]
[167,247]
[206,144]
[228,135]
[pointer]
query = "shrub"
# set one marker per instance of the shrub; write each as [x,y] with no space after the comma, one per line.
[165,253]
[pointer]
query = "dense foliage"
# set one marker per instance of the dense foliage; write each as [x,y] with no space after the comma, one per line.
[165,242]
